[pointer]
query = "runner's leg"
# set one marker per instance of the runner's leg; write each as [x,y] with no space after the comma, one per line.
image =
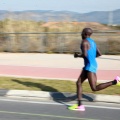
[81,79]
[92,78]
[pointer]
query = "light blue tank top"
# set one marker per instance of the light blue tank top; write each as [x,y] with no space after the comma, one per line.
[90,61]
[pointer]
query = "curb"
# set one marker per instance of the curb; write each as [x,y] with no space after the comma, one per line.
[59,96]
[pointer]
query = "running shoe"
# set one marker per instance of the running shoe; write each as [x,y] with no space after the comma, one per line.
[118,80]
[77,108]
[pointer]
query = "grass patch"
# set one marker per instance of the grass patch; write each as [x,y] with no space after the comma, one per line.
[50,85]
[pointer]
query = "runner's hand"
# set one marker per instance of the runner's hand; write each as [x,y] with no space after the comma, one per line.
[75,55]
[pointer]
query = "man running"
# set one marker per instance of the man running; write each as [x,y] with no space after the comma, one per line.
[89,53]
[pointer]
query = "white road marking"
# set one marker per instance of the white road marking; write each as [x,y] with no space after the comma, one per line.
[46,115]
[53,103]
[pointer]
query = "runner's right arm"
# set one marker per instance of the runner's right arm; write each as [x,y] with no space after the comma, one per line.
[84,48]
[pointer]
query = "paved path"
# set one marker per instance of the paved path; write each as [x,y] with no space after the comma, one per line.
[52,73]
[54,66]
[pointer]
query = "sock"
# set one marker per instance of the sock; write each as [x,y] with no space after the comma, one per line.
[114,82]
[79,102]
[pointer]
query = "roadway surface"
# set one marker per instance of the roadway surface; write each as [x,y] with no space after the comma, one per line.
[24,109]
[55,66]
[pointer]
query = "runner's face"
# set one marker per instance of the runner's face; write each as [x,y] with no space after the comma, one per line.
[83,34]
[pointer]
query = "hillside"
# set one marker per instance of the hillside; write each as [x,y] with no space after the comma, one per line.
[76,26]
[32,26]
[56,16]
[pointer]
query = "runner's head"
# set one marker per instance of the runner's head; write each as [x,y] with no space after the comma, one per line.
[87,32]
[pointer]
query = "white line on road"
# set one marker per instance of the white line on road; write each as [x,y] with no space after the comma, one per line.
[55,103]
[45,115]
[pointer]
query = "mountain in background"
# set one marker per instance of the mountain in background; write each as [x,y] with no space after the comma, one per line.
[104,17]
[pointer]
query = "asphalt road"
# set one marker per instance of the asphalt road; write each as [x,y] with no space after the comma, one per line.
[26,109]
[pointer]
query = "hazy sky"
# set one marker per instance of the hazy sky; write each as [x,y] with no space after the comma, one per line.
[81,6]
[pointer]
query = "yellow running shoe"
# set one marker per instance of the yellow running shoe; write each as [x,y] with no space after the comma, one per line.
[72,107]
[77,108]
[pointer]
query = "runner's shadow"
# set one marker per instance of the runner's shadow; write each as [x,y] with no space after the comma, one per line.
[55,94]
[36,85]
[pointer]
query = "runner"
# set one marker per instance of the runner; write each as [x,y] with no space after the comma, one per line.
[89,53]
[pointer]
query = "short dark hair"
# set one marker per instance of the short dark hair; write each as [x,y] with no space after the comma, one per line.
[87,31]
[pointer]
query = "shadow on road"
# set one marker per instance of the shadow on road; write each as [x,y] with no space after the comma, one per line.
[55,94]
